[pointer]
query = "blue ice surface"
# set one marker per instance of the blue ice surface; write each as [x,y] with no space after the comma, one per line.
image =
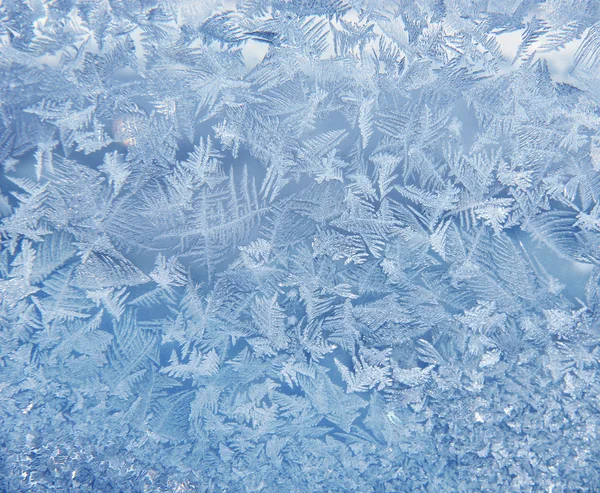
[302,246]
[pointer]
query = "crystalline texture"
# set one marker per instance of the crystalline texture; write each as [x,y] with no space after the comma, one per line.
[304,246]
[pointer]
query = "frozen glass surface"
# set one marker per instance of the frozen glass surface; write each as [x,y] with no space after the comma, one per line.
[299,246]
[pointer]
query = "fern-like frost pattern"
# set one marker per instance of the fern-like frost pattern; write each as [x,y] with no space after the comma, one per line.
[304,246]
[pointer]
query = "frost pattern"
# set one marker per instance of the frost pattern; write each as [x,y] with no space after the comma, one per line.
[314,245]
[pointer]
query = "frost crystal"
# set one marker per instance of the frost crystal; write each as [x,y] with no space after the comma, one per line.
[299,245]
